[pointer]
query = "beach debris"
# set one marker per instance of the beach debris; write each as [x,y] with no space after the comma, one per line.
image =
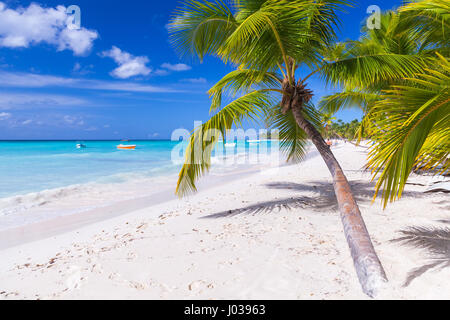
[198,285]
[97,268]
[137,285]
[142,226]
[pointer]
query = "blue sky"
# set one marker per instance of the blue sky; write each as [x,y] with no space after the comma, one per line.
[116,77]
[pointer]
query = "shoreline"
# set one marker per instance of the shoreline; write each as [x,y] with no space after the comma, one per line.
[263,236]
[34,231]
[39,206]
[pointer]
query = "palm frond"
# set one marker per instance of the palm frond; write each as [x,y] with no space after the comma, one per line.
[435,153]
[202,141]
[368,70]
[241,81]
[199,28]
[411,127]
[335,52]
[393,36]
[268,35]
[274,30]
[431,20]
[346,100]
[293,140]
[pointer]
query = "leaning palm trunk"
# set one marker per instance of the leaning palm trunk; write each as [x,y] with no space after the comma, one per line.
[368,267]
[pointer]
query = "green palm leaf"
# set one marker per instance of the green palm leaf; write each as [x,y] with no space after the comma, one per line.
[293,140]
[347,100]
[241,81]
[202,142]
[415,123]
[369,70]
[199,28]
[431,20]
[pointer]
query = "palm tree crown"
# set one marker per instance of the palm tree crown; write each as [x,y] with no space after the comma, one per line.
[268,42]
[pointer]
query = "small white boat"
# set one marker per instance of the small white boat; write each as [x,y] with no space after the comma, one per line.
[230,145]
[80,146]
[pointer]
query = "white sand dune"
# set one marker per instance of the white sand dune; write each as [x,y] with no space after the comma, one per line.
[265,236]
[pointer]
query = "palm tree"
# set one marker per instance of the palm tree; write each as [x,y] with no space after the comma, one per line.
[398,34]
[270,42]
[327,120]
[399,113]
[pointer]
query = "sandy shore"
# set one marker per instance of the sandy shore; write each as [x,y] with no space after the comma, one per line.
[272,235]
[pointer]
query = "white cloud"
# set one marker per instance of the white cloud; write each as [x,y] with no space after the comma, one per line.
[161,72]
[31,80]
[73,120]
[176,67]
[69,119]
[129,65]
[26,122]
[91,129]
[79,41]
[81,70]
[8,101]
[76,67]
[194,80]
[24,27]
[5,115]
[153,135]
[126,86]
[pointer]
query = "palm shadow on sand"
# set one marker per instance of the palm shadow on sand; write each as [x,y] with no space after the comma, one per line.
[435,240]
[323,199]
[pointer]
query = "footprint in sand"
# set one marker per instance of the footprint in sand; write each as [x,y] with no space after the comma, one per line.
[74,278]
[97,268]
[137,285]
[131,256]
[199,286]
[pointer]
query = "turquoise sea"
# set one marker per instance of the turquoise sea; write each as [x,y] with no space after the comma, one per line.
[33,166]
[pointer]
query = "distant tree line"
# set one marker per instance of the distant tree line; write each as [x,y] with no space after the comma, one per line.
[346,130]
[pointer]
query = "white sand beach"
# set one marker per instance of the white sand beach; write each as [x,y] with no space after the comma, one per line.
[269,235]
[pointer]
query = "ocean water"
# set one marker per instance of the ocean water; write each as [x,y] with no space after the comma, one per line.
[45,179]
[33,166]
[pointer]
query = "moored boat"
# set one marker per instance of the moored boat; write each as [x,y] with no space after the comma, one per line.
[230,145]
[126,146]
